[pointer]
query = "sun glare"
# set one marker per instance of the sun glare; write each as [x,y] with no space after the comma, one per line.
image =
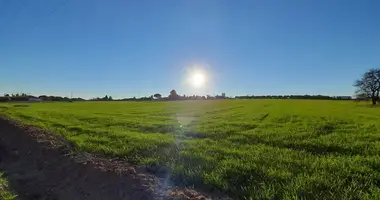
[198,79]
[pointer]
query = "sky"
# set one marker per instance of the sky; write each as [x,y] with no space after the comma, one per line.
[126,48]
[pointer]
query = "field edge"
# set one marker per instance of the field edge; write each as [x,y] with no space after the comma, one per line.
[52,166]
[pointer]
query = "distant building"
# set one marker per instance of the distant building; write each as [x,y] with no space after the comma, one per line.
[344,97]
[224,95]
[31,98]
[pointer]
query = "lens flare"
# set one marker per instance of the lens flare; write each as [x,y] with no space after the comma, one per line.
[197,77]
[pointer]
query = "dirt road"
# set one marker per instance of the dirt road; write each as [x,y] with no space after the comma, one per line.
[41,165]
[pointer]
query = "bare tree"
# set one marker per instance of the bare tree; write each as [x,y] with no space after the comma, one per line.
[369,85]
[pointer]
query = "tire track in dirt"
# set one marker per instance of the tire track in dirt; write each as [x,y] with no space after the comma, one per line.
[41,165]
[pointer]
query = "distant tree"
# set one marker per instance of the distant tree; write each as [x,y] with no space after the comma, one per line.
[6,95]
[77,99]
[362,96]
[369,85]
[44,98]
[55,98]
[173,95]
[5,99]
[157,96]
[110,98]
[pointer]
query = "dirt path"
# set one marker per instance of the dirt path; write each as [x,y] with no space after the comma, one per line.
[40,165]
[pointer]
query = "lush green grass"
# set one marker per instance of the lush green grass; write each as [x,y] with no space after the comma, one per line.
[253,149]
[5,193]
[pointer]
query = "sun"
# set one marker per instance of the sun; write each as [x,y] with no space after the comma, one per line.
[198,79]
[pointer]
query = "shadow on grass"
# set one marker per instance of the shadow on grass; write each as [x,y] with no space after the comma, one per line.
[21,106]
[263,117]
[369,105]
[325,129]
[316,149]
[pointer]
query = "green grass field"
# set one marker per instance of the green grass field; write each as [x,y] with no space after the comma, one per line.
[5,193]
[249,149]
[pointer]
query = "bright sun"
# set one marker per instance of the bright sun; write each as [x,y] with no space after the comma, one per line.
[198,79]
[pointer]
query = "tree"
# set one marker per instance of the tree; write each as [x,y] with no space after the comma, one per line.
[173,95]
[44,98]
[6,95]
[369,85]
[361,96]
[157,96]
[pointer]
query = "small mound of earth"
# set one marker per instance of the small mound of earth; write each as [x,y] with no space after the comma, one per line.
[41,165]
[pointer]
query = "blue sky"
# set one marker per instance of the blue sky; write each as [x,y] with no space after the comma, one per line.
[129,48]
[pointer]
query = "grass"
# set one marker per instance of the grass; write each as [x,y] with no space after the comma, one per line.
[249,149]
[5,193]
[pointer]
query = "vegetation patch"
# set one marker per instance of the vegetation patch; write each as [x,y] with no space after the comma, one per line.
[258,149]
[5,192]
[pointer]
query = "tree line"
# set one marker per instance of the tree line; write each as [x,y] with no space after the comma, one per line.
[368,88]
[173,96]
[316,97]
[25,97]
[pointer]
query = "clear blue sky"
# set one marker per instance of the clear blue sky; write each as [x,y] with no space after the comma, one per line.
[129,48]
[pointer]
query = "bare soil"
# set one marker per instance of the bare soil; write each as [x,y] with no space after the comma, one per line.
[42,165]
